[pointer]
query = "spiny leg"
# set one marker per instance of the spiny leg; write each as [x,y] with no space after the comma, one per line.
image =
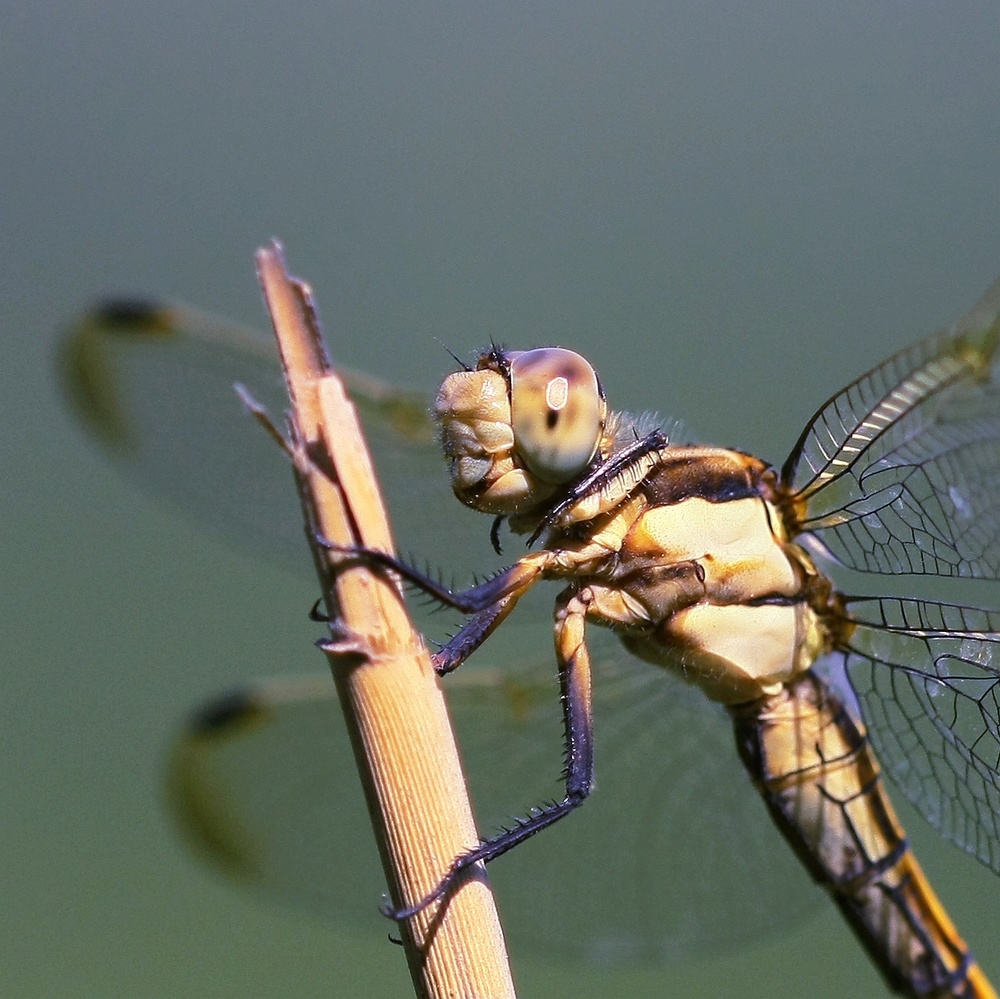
[471,635]
[578,771]
[490,601]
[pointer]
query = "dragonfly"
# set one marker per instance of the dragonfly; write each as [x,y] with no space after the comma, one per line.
[893,476]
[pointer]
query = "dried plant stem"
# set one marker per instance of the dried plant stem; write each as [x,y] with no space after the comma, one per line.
[394,710]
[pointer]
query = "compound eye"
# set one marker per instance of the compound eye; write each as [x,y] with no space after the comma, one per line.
[557,412]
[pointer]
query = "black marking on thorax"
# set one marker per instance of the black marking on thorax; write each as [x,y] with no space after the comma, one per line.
[715,475]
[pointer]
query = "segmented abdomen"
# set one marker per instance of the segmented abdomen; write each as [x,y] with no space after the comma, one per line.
[814,767]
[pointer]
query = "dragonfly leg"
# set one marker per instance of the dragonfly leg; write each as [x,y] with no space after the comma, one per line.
[482,597]
[578,772]
[471,635]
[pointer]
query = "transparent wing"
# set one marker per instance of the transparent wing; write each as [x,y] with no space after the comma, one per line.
[672,848]
[672,855]
[900,472]
[153,383]
[927,676]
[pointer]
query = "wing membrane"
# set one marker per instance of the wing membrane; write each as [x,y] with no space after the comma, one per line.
[900,472]
[674,855]
[153,382]
[928,678]
[654,867]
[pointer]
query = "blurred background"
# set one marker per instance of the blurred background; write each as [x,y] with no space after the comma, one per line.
[732,209]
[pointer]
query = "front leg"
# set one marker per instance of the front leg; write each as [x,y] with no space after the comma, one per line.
[490,601]
[578,773]
[471,635]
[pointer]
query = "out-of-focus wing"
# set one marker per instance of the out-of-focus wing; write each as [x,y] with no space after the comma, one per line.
[928,679]
[153,383]
[900,472]
[672,855]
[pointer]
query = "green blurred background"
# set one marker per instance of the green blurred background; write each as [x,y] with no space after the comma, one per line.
[733,209]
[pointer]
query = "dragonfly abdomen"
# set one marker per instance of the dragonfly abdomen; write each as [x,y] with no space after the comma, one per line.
[814,767]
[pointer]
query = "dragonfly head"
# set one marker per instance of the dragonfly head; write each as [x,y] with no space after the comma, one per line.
[520,427]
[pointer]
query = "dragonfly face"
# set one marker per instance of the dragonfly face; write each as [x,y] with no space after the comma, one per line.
[519,426]
[895,475]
